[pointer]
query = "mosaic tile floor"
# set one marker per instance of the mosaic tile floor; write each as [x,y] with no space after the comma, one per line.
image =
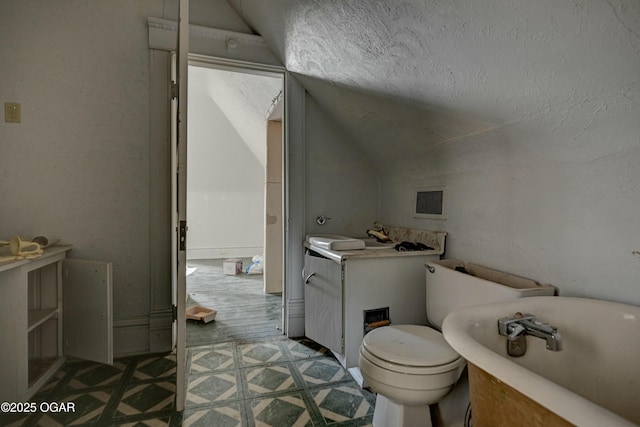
[135,391]
[272,383]
[275,382]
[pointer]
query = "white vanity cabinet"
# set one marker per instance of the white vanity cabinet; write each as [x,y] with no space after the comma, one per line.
[50,307]
[323,296]
[341,286]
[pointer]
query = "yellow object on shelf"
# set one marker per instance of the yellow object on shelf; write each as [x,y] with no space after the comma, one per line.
[21,249]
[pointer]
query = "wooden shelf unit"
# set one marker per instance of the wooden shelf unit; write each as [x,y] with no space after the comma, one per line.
[40,322]
[31,312]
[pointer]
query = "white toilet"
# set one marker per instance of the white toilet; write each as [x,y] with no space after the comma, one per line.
[411,366]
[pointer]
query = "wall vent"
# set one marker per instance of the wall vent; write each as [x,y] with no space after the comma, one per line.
[429,203]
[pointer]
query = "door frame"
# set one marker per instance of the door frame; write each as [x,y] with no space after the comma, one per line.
[293,219]
[251,51]
[179,204]
[293,187]
[261,70]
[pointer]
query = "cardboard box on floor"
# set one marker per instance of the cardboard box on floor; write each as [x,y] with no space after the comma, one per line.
[232,266]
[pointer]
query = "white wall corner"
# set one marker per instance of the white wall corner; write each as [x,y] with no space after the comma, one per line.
[295,318]
[294,205]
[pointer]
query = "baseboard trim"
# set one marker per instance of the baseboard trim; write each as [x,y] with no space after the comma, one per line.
[160,330]
[131,335]
[295,318]
[217,253]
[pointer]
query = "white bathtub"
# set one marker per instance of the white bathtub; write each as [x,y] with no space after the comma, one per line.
[593,381]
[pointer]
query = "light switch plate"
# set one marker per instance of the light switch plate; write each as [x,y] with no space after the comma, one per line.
[12,112]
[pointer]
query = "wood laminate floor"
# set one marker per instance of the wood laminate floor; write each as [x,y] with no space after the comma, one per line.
[245,312]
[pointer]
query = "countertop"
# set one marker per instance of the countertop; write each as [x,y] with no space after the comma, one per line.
[48,252]
[339,256]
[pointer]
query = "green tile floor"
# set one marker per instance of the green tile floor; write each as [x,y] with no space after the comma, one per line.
[134,391]
[274,382]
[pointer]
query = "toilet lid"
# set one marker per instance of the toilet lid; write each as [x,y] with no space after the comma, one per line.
[410,345]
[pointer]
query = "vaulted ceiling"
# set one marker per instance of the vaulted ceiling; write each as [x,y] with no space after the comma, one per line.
[245,100]
[405,76]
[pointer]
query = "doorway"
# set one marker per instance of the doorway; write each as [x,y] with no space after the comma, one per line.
[234,203]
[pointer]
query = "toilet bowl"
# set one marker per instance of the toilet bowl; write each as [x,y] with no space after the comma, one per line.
[410,367]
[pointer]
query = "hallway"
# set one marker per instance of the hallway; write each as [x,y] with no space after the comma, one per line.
[244,311]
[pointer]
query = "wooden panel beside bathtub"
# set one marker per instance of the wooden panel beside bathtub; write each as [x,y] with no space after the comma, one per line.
[495,404]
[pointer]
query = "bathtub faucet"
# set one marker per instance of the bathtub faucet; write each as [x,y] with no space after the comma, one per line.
[519,325]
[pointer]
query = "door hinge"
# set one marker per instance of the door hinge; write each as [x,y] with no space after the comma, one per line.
[174,313]
[174,90]
[182,235]
[342,345]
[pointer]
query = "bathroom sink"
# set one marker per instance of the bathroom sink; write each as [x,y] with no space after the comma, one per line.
[594,380]
[374,244]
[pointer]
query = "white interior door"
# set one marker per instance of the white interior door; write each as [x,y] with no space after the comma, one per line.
[87,296]
[180,200]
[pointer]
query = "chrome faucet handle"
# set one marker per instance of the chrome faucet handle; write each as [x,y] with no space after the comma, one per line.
[514,331]
[517,326]
[506,324]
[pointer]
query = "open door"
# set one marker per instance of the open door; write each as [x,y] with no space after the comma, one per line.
[179,142]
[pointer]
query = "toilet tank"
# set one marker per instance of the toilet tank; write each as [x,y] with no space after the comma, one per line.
[452,284]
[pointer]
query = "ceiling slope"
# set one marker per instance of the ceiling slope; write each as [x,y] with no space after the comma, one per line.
[243,98]
[404,77]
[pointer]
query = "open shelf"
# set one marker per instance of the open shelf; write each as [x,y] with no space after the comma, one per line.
[38,317]
[37,367]
[31,311]
[44,322]
[43,347]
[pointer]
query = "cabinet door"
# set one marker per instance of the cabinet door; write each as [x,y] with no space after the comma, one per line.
[87,310]
[323,302]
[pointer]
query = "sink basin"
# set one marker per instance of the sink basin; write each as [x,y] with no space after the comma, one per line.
[374,244]
[343,243]
[593,381]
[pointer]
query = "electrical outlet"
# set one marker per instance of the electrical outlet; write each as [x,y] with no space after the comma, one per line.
[12,112]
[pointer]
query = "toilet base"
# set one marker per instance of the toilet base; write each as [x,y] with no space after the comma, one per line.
[390,414]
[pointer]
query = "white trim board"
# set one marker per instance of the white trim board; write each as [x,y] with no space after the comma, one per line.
[217,253]
[212,41]
[131,335]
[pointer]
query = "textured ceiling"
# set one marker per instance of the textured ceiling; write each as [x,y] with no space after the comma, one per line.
[402,77]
